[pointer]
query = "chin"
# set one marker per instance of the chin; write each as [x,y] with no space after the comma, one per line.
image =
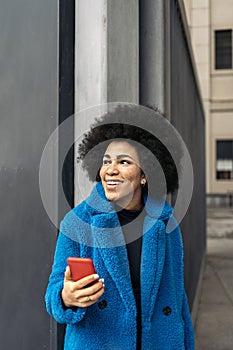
[112,197]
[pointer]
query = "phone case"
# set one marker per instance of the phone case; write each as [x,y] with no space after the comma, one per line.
[81,267]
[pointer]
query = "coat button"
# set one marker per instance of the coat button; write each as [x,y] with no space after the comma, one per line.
[102,304]
[167,310]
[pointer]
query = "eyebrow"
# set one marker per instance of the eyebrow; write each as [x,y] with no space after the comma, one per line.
[120,156]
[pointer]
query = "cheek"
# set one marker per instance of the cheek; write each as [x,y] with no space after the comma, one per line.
[101,173]
[135,176]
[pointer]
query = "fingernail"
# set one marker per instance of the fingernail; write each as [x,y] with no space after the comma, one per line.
[101,280]
[103,285]
[96,277]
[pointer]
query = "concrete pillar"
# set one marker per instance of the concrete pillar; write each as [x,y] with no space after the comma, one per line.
[106,61]
[155,54]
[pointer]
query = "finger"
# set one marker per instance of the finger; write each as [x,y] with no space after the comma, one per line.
[68,276]
[90,290]
[94,291]
[94,297]
[83,282]
[88,300]
[84,304]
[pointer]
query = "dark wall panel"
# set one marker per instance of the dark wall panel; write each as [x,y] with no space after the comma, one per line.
[66,109]
[188,117]
[168,80]
[28,99]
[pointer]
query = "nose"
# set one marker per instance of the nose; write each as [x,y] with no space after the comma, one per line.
[112,168]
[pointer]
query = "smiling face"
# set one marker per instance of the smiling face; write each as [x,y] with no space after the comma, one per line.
[121,175]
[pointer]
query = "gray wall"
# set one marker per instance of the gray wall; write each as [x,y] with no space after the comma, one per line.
[28,100]
[187,116]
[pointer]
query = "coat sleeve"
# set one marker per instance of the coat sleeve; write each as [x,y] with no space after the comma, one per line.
[65,247]
[188,326]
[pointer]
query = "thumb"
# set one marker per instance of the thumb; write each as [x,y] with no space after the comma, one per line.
[68,276]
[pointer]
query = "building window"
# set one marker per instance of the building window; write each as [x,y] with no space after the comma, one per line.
[223,49]
[224,169]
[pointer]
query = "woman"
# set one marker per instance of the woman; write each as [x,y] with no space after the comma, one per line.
[138,301]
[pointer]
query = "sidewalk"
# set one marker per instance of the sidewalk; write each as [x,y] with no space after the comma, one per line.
[214,323]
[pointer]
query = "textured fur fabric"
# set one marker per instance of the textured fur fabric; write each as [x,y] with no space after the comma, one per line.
[92,230]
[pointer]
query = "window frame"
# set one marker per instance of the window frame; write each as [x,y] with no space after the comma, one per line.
[221,46]
[225,71]
[216,160]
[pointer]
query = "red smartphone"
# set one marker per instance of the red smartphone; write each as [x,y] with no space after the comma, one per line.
[81,267]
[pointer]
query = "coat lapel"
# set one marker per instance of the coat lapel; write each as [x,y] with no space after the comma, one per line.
[108,238]
[152,263]
[111,245]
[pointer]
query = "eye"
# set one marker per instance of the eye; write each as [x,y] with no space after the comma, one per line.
[106,161]
[125,161]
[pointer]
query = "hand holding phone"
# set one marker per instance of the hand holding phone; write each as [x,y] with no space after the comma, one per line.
[82,286]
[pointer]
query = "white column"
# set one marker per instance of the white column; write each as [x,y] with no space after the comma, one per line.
[106,62]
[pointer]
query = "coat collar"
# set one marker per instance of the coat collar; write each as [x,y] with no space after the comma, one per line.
[155,208]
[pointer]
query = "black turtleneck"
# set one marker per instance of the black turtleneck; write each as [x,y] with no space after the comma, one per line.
[132,226]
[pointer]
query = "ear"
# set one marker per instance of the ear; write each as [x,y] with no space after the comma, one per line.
[143,179]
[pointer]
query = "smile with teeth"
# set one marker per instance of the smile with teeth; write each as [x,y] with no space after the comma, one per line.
[113,182]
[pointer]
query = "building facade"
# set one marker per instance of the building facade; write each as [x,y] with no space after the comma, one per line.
[211,27]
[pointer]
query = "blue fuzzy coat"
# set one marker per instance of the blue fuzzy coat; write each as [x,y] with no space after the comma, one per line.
[92,230]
